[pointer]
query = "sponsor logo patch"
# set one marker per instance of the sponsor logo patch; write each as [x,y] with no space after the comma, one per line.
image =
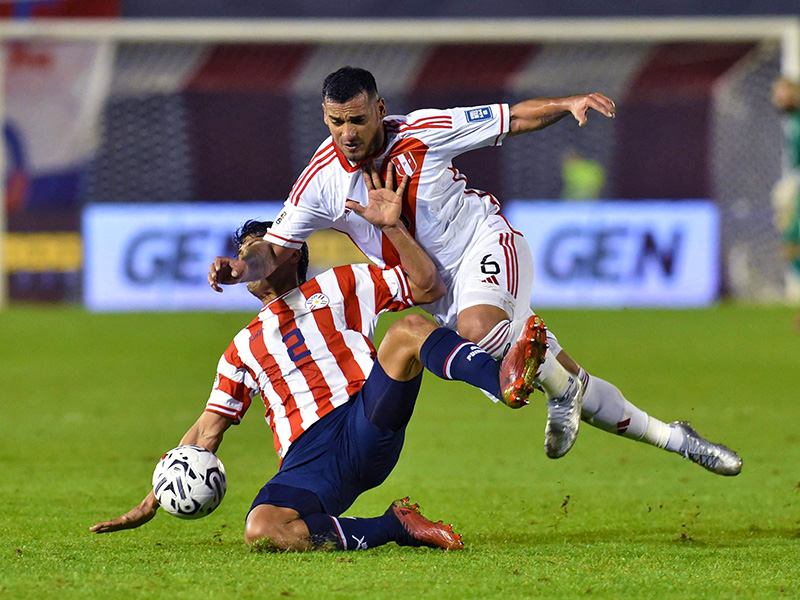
[484,113]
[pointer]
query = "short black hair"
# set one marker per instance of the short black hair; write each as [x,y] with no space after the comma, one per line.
[347,83]
[259,228]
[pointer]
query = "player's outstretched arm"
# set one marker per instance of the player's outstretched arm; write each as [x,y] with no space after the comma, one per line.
[207,432]
[383,210]
[136,517]
[538,113]
[257,262]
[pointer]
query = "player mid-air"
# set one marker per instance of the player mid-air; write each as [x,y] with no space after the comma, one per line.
[485,263]
[338,416]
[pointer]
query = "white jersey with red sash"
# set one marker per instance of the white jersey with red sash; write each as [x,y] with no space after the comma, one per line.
[444,215]
[309,350]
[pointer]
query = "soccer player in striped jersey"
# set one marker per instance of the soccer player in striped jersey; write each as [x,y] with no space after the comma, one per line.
[338,416]
[485,263]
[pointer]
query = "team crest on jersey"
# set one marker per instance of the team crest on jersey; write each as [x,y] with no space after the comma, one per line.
[484,113]
[318,300]
[405,164]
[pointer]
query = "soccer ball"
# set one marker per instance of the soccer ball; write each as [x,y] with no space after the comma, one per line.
[189,482]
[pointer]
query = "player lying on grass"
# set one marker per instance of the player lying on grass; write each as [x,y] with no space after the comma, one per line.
[338,416]
[485,263]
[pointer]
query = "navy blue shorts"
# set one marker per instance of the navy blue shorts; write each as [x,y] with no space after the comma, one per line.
[345,453]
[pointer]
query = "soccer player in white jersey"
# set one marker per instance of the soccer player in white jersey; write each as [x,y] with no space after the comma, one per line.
[337,415]
[485,263]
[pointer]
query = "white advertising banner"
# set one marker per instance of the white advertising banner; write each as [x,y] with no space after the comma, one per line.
[140,257]
[621,253]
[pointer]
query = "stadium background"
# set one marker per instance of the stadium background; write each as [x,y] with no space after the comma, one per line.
[91,400]
[133,121]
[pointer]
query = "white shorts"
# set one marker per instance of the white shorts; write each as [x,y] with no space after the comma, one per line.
[497,270]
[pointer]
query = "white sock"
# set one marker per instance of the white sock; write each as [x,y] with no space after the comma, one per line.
[605,407]
[498,340]
[553,377]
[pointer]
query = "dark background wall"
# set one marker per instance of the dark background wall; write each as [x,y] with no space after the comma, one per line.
[453,8]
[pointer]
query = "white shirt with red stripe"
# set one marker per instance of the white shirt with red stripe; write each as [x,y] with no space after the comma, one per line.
[439,209]
[309,350]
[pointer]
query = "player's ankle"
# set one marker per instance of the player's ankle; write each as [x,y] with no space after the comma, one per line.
[553,377]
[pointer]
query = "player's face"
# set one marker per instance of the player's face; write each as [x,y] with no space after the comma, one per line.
[260,287]
[356,125]
[282,279]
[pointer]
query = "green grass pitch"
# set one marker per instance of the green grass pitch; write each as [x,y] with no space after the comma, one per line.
[90,402]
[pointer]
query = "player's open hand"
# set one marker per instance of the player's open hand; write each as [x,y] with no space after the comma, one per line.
[135,517]
[226,270]
[385,202]
[580,106]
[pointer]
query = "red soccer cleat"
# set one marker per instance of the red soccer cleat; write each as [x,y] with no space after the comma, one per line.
[422,532]
[521,365]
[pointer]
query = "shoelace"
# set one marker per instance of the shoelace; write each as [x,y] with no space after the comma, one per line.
[706,460]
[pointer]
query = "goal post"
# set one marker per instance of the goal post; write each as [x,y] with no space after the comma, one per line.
[137,88]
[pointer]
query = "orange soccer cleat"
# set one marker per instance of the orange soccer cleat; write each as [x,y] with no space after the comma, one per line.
[422,532]
[521,365]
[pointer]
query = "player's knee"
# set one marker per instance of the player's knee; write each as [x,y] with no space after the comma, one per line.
[408,333]
[476,322]
[267,529]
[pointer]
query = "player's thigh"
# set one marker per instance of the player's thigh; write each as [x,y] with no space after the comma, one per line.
[377,425]
[497,271]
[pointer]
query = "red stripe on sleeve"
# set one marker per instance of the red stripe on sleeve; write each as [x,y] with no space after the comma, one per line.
[383,295]
[236,390]
[325,158]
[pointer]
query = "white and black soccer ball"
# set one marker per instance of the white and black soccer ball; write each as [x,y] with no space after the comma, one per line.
[189,482]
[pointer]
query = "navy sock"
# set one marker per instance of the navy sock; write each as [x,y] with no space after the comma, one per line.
[349,533]
[449,356]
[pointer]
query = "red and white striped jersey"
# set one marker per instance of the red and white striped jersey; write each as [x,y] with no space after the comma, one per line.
[309,350]
[439,209]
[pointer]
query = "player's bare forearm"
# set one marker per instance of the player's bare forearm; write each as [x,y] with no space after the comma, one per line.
[136,517]
[426,283]
[207,431]
[256,262]
[261,261]
[538,113]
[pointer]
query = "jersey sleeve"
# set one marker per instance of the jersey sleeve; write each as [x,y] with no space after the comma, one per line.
[457,130]
[234,387]
[295,224]
[308,208]
[392,289]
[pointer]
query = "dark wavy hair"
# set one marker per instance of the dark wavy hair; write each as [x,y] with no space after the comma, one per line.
[347,83]
[260,228]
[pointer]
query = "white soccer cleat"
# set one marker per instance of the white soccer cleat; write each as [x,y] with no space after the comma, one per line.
[563,419]
[714,457]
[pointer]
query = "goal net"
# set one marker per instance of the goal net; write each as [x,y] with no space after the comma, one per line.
[156,112]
